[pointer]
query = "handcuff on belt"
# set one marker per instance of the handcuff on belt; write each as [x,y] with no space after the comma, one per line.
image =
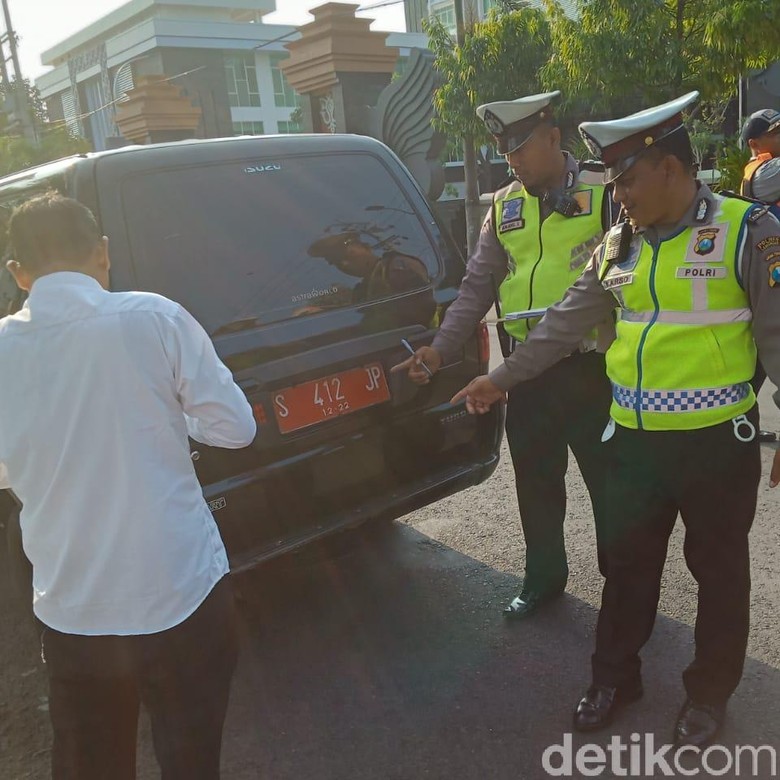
[740,423]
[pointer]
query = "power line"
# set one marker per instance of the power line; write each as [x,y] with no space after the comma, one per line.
[381,4]
[79,117]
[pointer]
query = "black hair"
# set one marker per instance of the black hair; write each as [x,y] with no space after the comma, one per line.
[50,229]
[677,144]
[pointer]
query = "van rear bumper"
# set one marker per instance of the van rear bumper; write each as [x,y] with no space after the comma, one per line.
[413,496]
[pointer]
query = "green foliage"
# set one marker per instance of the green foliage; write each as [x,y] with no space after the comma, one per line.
[643,52]
[17,153]
[54,139]
[730,160]
[500,59]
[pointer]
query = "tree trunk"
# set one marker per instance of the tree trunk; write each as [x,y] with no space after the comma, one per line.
[474,214]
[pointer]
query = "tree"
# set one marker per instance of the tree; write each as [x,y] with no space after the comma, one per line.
[54,138]
[498,59]
[634,53]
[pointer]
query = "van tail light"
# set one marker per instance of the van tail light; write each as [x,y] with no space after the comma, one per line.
[483,345]
[259,412]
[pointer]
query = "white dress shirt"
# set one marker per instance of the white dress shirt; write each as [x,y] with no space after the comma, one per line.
[98,392]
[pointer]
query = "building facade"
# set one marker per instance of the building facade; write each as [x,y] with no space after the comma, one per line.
[220,53]
[473,10]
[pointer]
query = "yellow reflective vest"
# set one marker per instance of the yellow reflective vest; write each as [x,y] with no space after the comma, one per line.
[545,257]
[684,352]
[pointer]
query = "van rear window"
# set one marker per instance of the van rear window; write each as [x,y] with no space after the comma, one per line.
[249,243]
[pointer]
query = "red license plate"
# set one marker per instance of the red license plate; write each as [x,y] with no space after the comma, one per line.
[323,399]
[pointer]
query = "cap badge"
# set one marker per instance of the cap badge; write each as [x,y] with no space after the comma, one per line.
[493,123]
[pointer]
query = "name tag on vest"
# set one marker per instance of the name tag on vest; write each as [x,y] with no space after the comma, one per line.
[701,272]
[619,280]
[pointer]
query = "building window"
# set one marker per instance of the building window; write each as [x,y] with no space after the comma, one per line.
[248,128]
[487,5]
[241,76]
[288,127]
[446,16]
[284,95]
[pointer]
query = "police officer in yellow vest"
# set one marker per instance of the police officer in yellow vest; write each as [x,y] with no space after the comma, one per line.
[537,238]
[697,290]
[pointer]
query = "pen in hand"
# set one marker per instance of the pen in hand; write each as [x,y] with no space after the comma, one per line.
[410,349]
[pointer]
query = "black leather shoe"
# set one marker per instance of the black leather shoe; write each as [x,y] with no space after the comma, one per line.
[529,602]
[698,724]
[597,708]
[767,436]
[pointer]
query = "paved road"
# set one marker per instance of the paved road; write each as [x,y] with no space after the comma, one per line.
[388,658]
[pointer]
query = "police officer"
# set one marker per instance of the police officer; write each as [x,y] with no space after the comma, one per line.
[540,232]
[697,291]
[761,179]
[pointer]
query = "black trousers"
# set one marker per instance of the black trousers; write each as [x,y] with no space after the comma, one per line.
[567,406]
[96,685]
[711,479]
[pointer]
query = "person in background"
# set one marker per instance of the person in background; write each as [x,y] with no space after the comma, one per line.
[100,392]
[761,180]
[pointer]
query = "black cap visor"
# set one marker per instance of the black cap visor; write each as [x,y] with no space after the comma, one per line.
[511,142]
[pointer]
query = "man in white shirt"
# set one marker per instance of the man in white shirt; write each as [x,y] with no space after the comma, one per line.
[100,391]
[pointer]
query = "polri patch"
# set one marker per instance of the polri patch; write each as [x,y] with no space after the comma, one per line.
[702,272]
[511,215]
[774,274]
[707,244]
[771,257]
[768,242]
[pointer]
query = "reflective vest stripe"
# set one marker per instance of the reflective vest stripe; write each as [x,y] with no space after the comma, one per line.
[680,400]
[721,317]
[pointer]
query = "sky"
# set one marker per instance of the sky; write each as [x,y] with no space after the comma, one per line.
[40,24]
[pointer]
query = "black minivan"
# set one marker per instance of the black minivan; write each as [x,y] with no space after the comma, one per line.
[307,258]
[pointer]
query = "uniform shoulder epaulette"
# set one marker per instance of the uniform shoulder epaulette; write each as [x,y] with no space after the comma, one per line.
[756,213]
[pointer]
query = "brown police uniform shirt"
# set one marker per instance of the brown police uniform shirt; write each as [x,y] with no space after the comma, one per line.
[586,303]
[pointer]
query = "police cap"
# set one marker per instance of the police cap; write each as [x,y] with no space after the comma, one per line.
[618,143]
[512,121]
[767,120]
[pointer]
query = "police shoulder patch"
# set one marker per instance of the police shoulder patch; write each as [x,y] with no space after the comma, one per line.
[774,274]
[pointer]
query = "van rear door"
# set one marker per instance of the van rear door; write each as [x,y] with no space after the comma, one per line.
[307,270]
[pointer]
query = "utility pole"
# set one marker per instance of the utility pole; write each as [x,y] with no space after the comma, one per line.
[471,203]
[16,92]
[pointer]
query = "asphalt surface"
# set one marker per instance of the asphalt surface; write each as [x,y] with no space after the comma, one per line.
[385,654]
